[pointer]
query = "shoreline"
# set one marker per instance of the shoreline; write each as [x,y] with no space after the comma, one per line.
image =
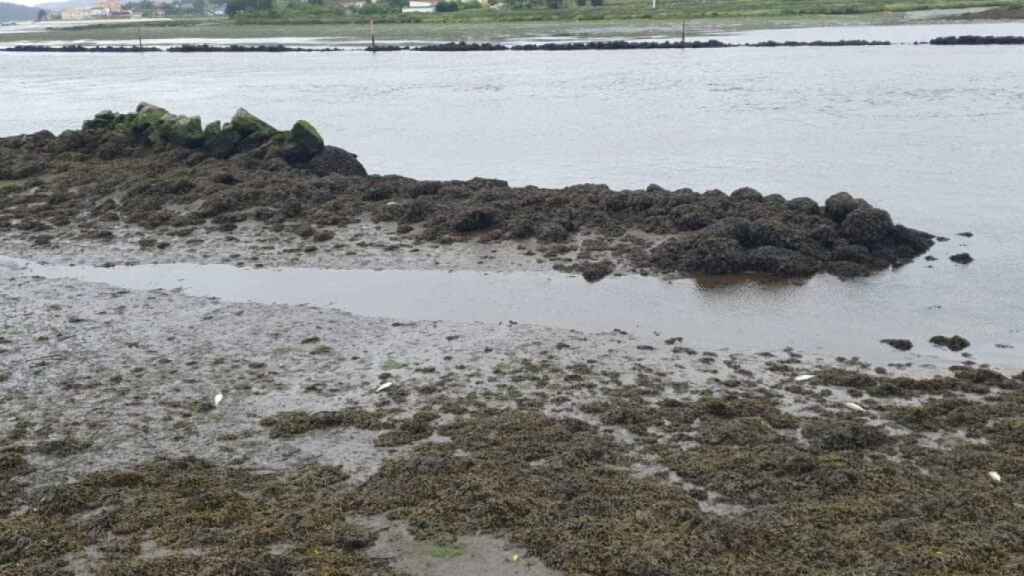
[965,40]
[437,32]
[112,384]
[486,47]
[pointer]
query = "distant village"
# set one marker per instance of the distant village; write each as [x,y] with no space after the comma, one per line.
[126,9]
[115,9]
[105,9]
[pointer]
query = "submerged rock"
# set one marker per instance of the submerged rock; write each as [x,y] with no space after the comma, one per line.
[962,258]
[899,343]
[955,343]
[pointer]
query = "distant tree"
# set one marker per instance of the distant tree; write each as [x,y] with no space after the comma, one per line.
[446,6]
[41,15]
[581,3]
[554,4]
[236,6]
[382,7]
[597,2]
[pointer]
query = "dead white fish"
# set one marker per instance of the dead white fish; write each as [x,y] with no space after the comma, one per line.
[515,557]
[855,406]
[995,476]
[385,386]
[804,378]
[392,203]
[218,399]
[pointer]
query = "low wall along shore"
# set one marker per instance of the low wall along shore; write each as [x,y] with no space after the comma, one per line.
[494,47]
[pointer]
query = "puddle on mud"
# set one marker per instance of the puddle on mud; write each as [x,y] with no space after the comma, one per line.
[822,315]
[469,556]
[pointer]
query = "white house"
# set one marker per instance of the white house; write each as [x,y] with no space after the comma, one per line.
[420,6]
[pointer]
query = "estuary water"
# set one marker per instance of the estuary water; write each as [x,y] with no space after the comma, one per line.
[932,134]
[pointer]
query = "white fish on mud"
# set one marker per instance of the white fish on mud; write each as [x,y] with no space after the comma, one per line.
[995,476]
[803,378]
[855,406]
[385,386]
[217,399]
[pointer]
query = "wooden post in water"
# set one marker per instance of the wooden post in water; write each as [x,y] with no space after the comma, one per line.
[373,39]
[682,35]
[139,31]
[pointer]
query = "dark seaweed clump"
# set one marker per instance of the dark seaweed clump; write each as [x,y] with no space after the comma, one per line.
[171,174]
[851,496]
[284,424]
[728,484]
[203,519]
[963,380]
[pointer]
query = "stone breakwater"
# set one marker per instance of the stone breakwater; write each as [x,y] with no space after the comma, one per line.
[447,46]
[531,47]
[976,40]
[174,176]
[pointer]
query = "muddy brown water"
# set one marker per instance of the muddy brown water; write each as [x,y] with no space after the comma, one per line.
[821,315]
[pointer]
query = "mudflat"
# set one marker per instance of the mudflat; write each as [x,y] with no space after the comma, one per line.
[151,432]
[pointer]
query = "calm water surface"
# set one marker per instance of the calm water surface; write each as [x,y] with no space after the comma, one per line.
[822,316]
[932,134]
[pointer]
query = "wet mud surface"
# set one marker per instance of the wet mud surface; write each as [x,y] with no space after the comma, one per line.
[348,445]
[169,175]
[153,432]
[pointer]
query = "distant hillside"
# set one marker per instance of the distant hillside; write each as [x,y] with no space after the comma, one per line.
[16,12]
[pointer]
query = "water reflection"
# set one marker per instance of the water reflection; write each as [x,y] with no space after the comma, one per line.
[822,314]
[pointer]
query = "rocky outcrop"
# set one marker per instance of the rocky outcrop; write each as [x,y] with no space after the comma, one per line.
[157,169]
[154,126]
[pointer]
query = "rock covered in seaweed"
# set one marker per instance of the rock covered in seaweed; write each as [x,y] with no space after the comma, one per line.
[113,134]
[170,170]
